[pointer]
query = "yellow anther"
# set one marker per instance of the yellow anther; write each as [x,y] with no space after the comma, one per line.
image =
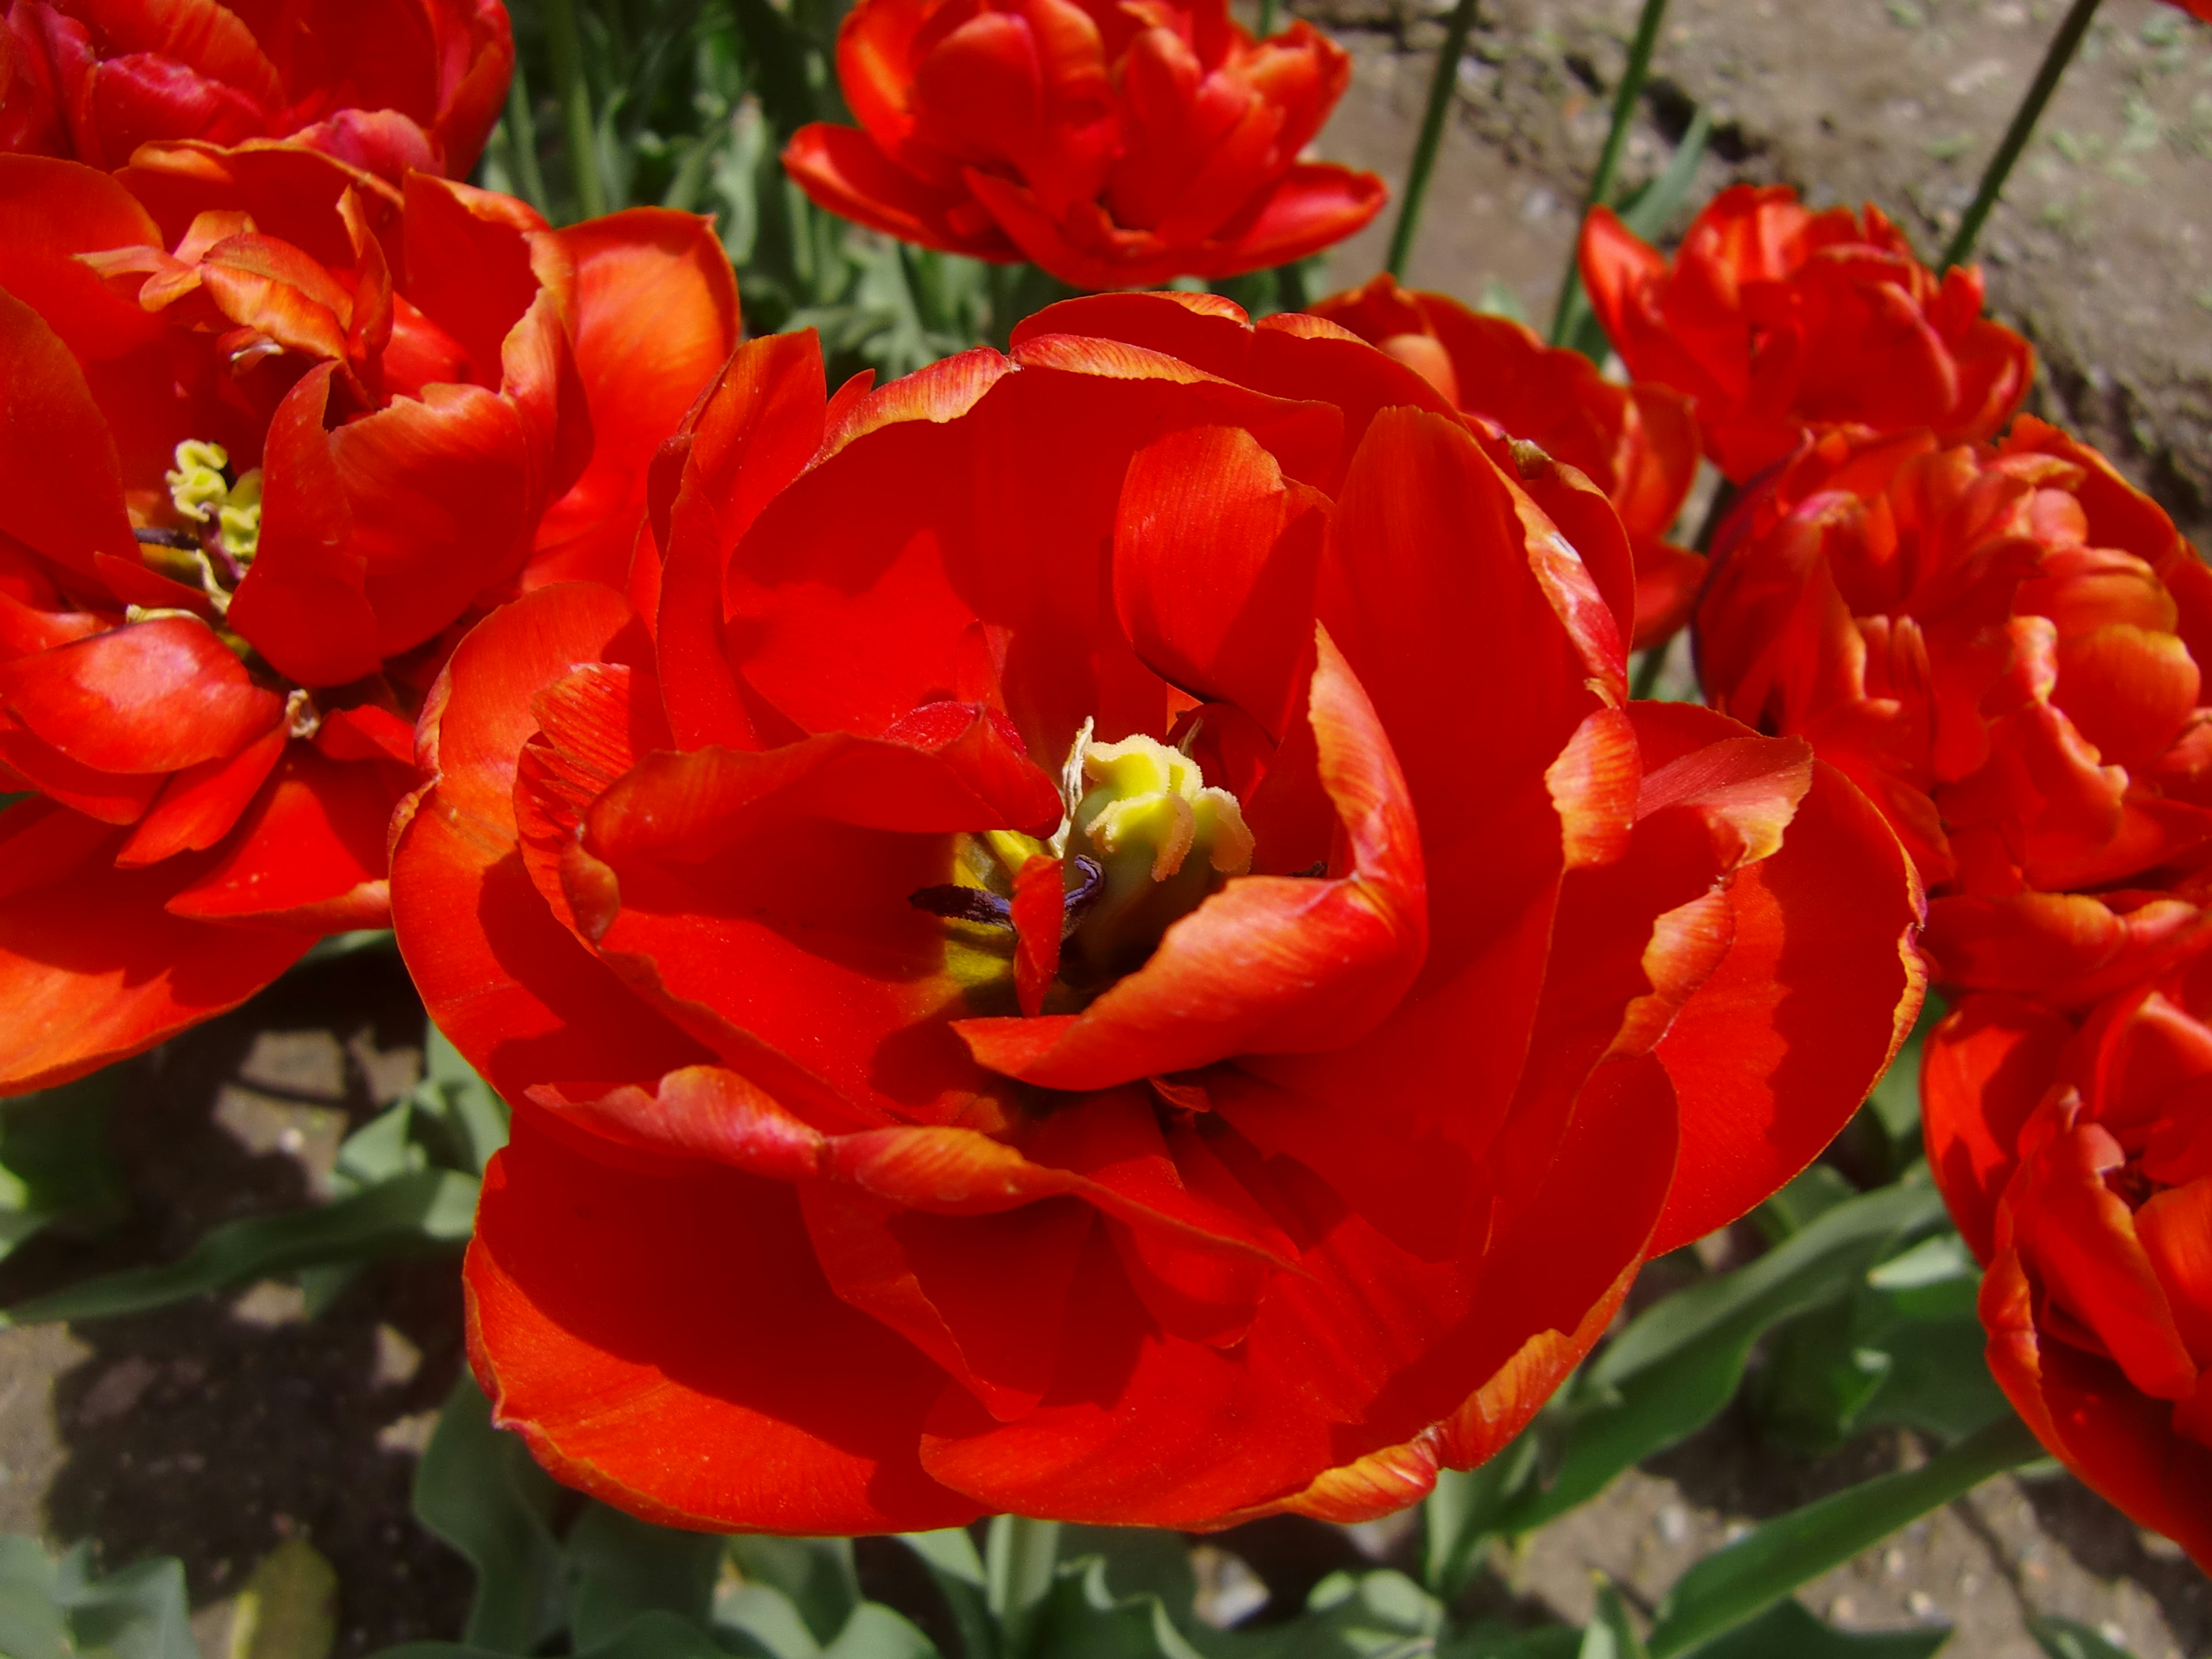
[240,518]
[1144,794]
[197,487]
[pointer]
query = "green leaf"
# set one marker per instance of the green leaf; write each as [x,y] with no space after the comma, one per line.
[651,1636]
[1081,1616]
[477,1488]
[288,1609]
[1729,1587]
[1788,1628]
[875,1631]
[954,1562]
[760,1621]
[31,1622]
[816,1573]
[140,1612]
[452,1093]
[620,1567]
[1906,1348]
[2061,1638]
[1815,1191]
[54,1162]
[1680,1362]
[1610,1633]
[430,1210]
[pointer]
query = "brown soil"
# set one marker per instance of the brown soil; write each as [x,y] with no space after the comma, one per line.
[2098,253]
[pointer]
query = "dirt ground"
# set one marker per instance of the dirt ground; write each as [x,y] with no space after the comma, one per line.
[2098,253]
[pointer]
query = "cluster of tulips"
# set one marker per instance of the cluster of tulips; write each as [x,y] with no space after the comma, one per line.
[1110,894]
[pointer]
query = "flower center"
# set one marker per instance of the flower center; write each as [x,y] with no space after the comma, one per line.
[1145,841]
[225,513]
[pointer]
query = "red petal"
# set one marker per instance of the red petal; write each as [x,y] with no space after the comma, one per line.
[152,696]
[1983,1069]
[800,1413]
[303,603]
[1774,1054]
[656,317]
[198,806]
[1214,556]
[470,922]
[61,485]
[312,853]
[843,169]
[94,969]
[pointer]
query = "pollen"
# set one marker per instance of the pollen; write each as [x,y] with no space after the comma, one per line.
[1144,796]
[197,487]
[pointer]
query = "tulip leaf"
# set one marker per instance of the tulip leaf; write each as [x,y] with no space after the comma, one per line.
[958,1566]
[428,1210]
[1787,1627]
[54,1609]
[1610,1633]
[54,1162]
[477,1488]
[1671,1372]
[289,1606]
[620,1567]
[1905,1348]
[2061,1638]
[1731,1586]
[815,1573]
[650,1636]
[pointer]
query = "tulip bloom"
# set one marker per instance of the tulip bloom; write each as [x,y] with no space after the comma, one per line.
[386,85]
[1637,443]
[1109,946]
[2001,644]
[274,428]
[2076,1156]
[1114,146]
[1774,318]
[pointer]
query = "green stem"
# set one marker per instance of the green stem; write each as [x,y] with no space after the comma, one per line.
[1019,1556]
[1739,1582]
[522,140]
[2063,45]
[1625,98]
[1266,18]
[566,49]
[1648,666]
[1432,134]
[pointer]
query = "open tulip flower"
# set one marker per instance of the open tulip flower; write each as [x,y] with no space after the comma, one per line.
[1637,443]
[2076,1156]
[273,427]
[2001,644]
[387,85]
[1116,144]
[1773,318]
[1101,941]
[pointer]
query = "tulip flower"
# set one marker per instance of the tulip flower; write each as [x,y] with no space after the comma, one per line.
[1114,146]
[386,85]
[1637,443]
[1773,320]
[2001,644]
[2075,1154]
[1109,945]
[254,476]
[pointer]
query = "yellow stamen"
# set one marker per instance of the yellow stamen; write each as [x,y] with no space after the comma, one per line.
[197,487]
[240,518]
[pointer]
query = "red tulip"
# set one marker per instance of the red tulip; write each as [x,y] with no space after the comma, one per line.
[273,428]
[387,85]
[2000,645]
[1109,946]
[2200,10]
[1774,318]
[1115,146]
[2076,1156]
[1637,443]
